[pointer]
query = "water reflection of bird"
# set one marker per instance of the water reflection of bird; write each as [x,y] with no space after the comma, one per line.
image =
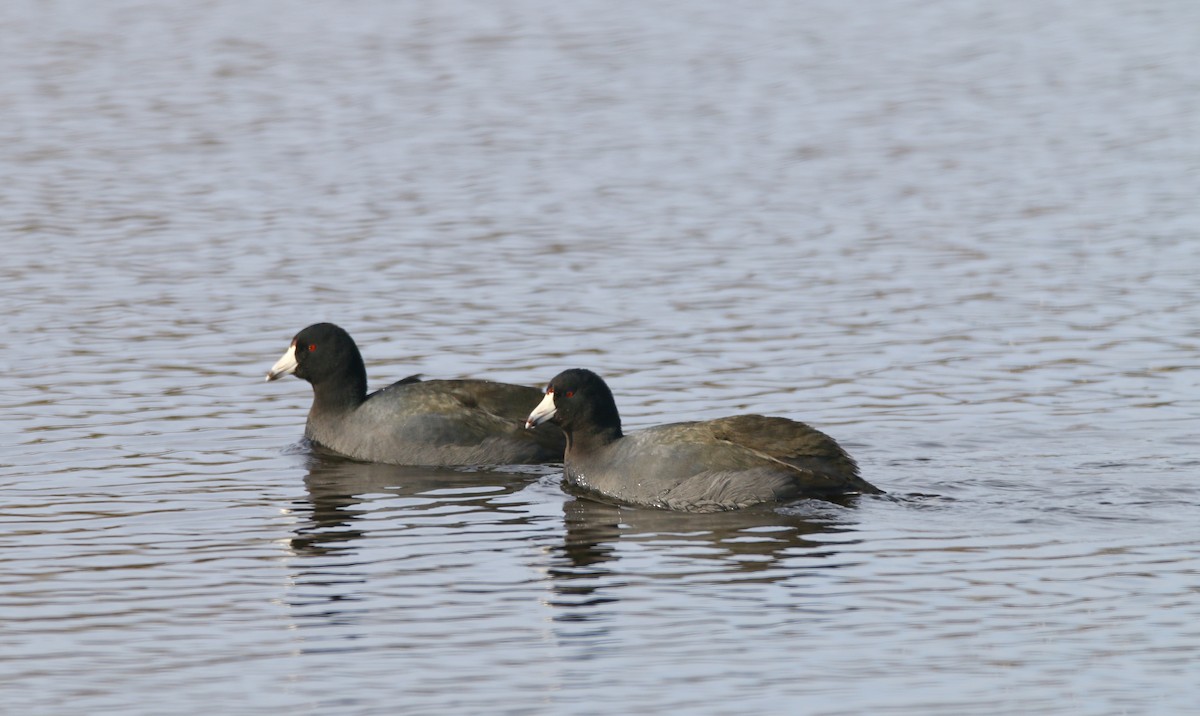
[338,491]
[744,546]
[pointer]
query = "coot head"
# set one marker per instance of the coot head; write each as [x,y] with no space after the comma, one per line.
[578,400]
[323,353]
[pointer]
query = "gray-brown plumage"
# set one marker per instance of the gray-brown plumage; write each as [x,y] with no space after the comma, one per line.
[413,421]
[723,464]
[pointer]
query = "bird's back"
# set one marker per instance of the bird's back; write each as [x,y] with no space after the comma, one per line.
[441,422]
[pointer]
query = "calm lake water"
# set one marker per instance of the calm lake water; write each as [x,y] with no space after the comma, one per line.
[960,237]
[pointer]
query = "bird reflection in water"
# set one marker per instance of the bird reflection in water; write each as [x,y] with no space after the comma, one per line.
[339,490]
[752,545]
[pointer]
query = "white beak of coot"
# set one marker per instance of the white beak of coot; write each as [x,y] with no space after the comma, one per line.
[543,412]
[286,365]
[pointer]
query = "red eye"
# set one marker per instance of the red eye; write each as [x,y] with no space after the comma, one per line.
[570,393]
[312,347]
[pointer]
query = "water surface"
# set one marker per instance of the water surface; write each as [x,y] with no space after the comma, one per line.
[961,238]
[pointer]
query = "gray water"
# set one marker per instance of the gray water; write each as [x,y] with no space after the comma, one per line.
[960,237]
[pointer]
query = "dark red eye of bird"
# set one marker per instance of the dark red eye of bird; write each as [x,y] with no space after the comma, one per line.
[312,347]
[570,393]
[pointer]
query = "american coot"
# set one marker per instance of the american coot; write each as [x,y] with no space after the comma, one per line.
[412,421]
[706,466]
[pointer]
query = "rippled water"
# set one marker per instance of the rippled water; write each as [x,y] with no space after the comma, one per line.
[960,237]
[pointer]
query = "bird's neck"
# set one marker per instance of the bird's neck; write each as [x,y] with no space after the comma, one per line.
[584,441]
[345,393]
